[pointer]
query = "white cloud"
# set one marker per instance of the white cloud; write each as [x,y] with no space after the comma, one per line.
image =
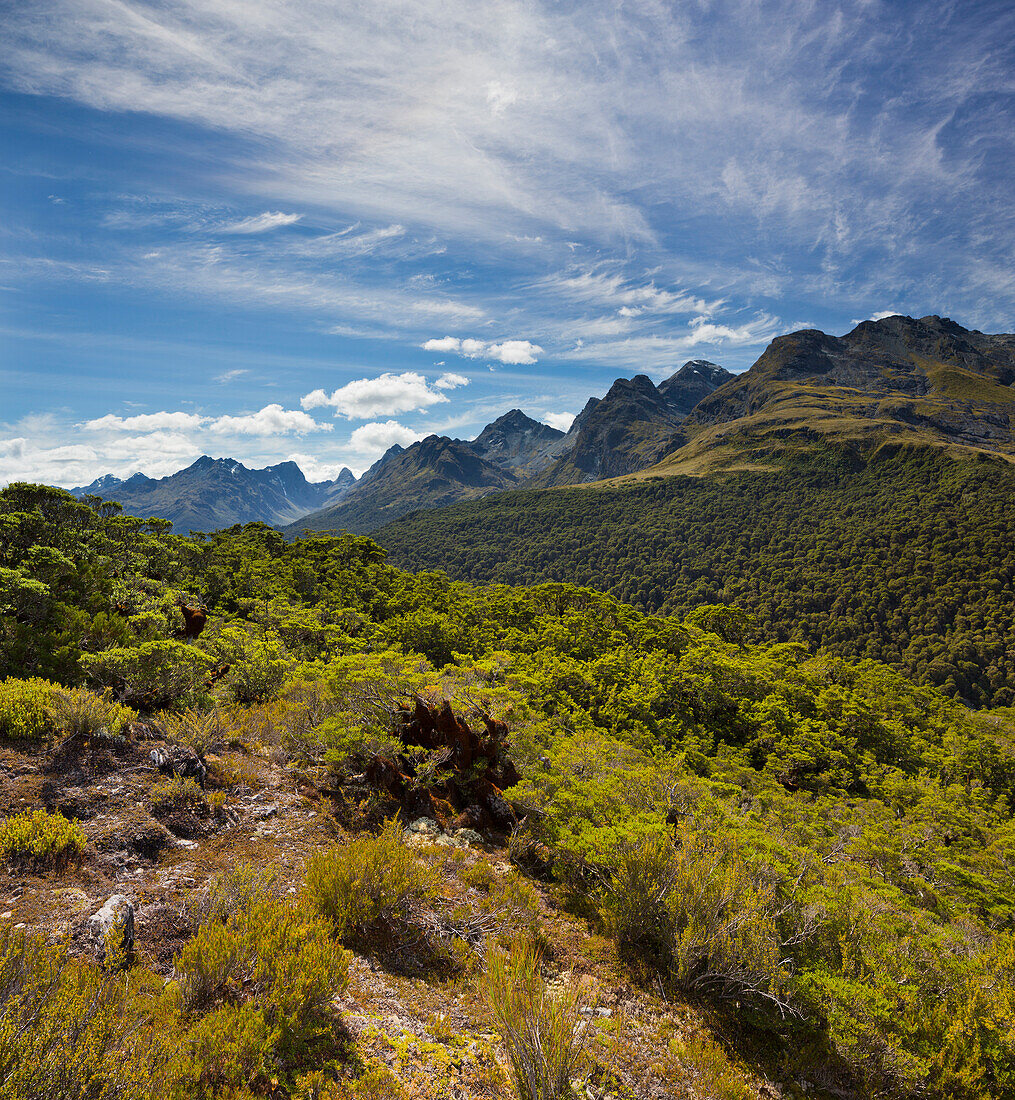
[262,223]
[146,422]
[561,420]
[445,343]
[230,376]
[515,351]
[500,96]
[450,381]
[271,420]
[520,352]
[374,439]
[880,315]
[387,393]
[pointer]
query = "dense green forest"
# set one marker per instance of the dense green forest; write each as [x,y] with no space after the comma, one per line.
[907,557]
[816,850]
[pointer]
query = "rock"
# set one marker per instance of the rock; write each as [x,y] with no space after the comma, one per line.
[112,928]
[180,760]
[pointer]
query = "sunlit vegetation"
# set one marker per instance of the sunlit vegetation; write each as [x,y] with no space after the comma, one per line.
[815,849]
[907,559]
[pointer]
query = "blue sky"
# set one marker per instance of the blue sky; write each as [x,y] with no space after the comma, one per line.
[267,229]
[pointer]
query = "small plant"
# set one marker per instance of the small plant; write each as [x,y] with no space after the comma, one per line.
[178,793]
[80,712]
[233,891]
[40,839]
[545,1033]
[25,708]
[198,730]
[373,880]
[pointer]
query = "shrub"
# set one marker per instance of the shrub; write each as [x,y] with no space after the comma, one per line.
[40,839]
[178,792]
[370,881]
[151,676]
[199,730]
[81,712]
[700,913]
[25,708]
[545,1034]
[234,890]
[70,1032]
[278,963]
[257,665]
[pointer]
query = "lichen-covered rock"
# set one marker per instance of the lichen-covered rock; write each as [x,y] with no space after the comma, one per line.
[112,929]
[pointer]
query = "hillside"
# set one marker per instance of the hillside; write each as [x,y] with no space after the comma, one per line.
[926,380]
[905,556]
[218,492]
[366,829]
[435,471]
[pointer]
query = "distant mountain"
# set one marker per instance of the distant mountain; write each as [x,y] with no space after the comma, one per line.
[429,474]
[693,383]
[517,443]
[632,427]
[921,380]
[219,492]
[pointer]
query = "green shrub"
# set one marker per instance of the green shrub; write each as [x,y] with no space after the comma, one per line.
[370,881]
[178,792]
[81,712]
[70,1032]
[234,890]
[698,912]
[40,839]
[257,665]
[282,967]
[25,708]
[544,1033]
[151,676]
[197,729]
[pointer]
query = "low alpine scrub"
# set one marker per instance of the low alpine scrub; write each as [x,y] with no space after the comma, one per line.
[37,839]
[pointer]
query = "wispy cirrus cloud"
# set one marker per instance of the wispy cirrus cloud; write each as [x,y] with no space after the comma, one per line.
[261,223]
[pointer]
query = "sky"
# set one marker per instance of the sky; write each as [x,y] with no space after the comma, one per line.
[310,229]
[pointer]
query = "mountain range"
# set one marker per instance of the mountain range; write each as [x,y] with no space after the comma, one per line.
[633,426]
[927,381]
[218,492]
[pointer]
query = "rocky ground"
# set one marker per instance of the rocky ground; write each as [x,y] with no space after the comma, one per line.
[431,1029]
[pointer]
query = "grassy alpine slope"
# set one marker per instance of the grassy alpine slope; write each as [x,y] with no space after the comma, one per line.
[905,556]
[771,865]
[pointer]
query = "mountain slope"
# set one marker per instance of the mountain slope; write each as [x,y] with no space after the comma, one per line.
[632,427]
[925,380]
[518,443]
[219,492]
[431,473]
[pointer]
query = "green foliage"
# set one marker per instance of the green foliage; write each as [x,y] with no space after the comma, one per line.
[152,675]
[257,665]
[269,975]
[40,839]
[68,1031]
[907,558]
[544,1032]
[178,792]
[80,712]
[26,708]
[366,884]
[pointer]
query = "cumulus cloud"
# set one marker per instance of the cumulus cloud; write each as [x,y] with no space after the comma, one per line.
[374,439]
[518,352]
[146,422]
[262,223]
[450,381]
[880,315]
[271,420]
[387,393]
[561,420]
